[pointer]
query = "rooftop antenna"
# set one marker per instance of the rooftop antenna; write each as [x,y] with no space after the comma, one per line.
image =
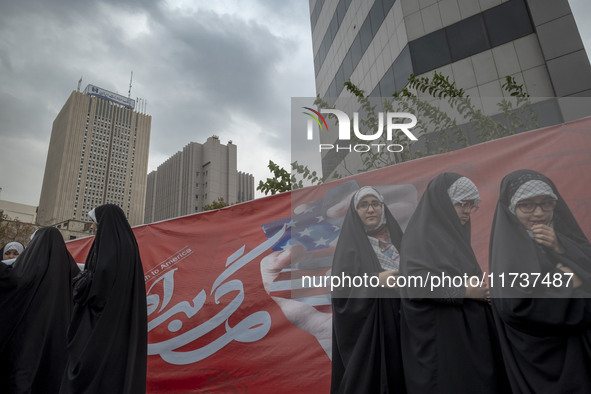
[130,80]
[79,83]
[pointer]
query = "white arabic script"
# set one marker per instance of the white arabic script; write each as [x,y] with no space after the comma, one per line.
[252,328]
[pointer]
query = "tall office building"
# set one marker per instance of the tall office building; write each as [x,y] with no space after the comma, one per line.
[194,177]
[245,187]
[98,153]
[476,43]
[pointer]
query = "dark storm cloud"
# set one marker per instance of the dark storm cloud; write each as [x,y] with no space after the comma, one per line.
[215,65]
[202,68]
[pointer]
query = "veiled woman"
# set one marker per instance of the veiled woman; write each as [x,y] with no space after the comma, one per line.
[449,342]
[35,311]
[366,341]
[545,328]
[11,250]
[107,340]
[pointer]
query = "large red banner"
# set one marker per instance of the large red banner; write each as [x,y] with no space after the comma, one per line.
[226,311]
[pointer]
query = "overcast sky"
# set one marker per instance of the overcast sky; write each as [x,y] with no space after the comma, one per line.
[227,68]
[222,67]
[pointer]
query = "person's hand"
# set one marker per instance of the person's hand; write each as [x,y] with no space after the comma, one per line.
[480,292]
[576,280]
[301,315]
[545,236]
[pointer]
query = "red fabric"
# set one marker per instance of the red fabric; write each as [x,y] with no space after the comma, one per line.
[255,347]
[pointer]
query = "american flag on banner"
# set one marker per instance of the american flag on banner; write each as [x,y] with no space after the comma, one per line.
[313,230]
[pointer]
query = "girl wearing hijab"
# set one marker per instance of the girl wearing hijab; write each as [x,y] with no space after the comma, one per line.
[107,340]
[11,250]
[449,342]
[35,312]
[366,341]
[545,329]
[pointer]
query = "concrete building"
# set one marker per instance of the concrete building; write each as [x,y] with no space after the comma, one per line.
[245,187]
[378,44]
[22,212]
[98,153]
[73,229]
[194,177]
[17,222]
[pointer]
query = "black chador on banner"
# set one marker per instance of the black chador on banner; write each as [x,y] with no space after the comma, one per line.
[449,341]
[545,328]
[365,327]
[35,311]
[107,340]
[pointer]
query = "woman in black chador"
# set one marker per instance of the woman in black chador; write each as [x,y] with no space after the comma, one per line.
[35,311]
[449,342]
[365,327]
[545,328]
[107,340]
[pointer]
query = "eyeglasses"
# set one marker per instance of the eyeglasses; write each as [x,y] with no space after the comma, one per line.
[467,206]
[530,206]
[364,205]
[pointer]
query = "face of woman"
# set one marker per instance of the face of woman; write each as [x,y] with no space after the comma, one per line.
[464,209]
[370,211]
[535,210]
[11,254]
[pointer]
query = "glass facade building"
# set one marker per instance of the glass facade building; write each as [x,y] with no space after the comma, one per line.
[378,44]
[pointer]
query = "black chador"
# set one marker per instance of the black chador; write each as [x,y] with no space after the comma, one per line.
[35,311]
[545,329]
[449,342]
[107,341]
[365,339]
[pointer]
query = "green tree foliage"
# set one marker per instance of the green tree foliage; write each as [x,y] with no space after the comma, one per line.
[14,230]
[217,204]
[281,181]
[440,127]
[306,175]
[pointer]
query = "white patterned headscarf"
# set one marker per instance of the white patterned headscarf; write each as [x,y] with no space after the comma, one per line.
[531,189]
[463,189]
[370,191]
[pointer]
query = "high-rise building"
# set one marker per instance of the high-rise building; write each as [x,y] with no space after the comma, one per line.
[194,177]
[245,187]
[378,44]
[98,153]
